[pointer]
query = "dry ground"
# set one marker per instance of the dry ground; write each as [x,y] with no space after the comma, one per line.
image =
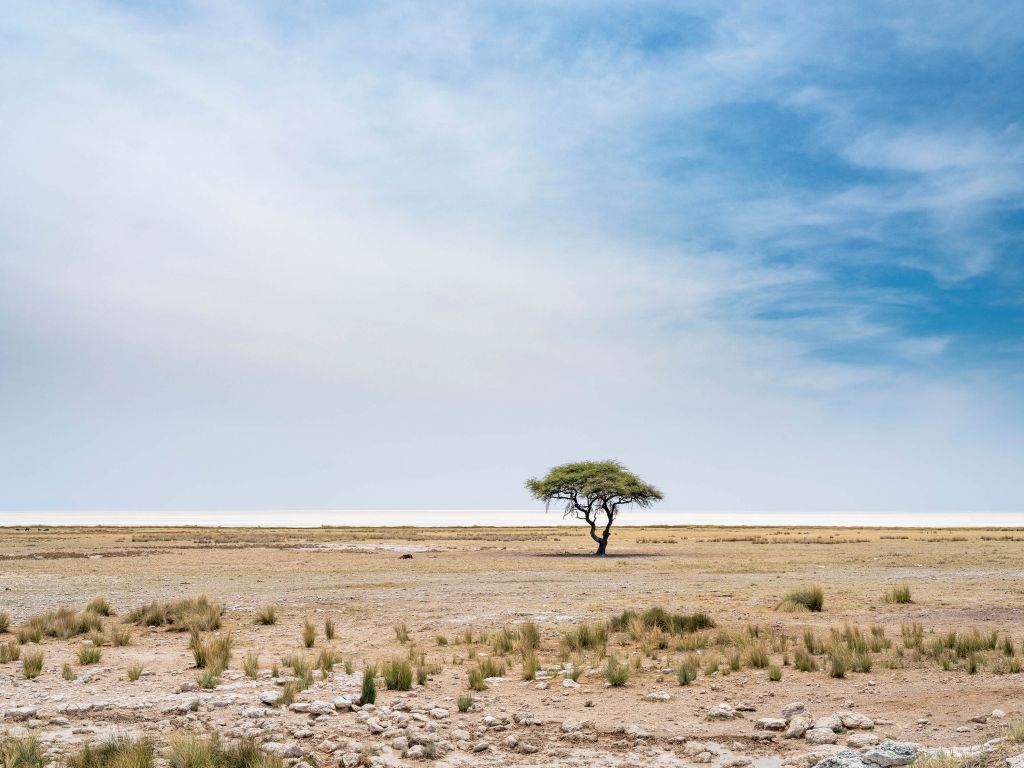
[486,579]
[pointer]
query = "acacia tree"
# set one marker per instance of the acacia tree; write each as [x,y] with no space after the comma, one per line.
[593,491]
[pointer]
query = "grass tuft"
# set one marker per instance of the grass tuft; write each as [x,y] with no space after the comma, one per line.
[134,671]
[267,615]
[397,675]
[31,664]
[899,594]
[182,615]
[616,673]
[809,598]
[100,606]
[308,633]
[368,694]
[464,702]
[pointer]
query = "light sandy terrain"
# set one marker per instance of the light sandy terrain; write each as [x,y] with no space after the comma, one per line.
[487,579]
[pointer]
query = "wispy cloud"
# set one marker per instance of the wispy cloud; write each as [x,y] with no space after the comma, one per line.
[350,257]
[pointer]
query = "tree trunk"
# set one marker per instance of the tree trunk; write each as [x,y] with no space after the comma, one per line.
[602,545]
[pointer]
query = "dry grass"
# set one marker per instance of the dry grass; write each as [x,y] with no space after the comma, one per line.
[184,615]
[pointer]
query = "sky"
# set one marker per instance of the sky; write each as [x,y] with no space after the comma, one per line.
[391,255]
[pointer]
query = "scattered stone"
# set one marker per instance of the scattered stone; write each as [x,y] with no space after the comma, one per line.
[861,740]
[770,724]
[722,711]
[892,753]
[793,709]
[845,758]
[657,696]
[830,722]
[270,698]
[798,726]
[855,721]
[821,736]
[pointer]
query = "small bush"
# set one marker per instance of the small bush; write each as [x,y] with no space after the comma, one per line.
[862,662]
[31,664]
[810,598]
[288,693]
[182,615]
[89,654]
[465,703]
[5,622]
[329,628]
[586,637]
[68,673]
[120,636]
[213,653]
[21,752]
[100,606]
[134,671]
[476,680]
[504,641]
[401,632]
[308,633]
[266,615]
[774,673]
[530,665]
[492,667]
[899,594]
[397,675]
[758,657]
[529,637]
[687,672]
[838,665]
[302,668]
[251,665]
[441,640]
[615,673]
[207,679]
[9,652]
[368,694]
[325,661]
[804,661]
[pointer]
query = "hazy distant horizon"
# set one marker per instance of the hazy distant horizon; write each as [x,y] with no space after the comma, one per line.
[499,518]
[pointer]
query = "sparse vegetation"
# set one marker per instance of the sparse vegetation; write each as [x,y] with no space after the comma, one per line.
[267,615]
[134,671]
[368,694]
[31,664]
[21,752]
[615,673]
[774,673]
[464,703]
[68,672]
[806,598]
[687,672]
[5,622]
[401,632]
[329,628]
[100,606]
[182,615]
[308,633]
[192,751]
[89,654]
[899,594]
[9,652]
[251,665]
[397,675]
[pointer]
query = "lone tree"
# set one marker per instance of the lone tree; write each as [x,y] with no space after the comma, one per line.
[591,489]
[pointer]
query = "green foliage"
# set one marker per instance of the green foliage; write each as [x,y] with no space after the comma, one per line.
[838,664]
[266,615]
[368,695]
[687,672]
[5,622]
[134,671]
[476,680]
[804,661]
[397,675]
[115,752]
[807,598]
[31,664]
[774,673]
[308,633]
[191,751]
[326,660]
[89,654]
[615,673]
[464,702]
[899,594]
[21,752]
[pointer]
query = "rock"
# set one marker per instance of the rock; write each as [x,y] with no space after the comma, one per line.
[321,708]
[400,744]
[542,686]
[568,683]
[350,759]
[722,711]
[439,713]
[846,758]
[745,706]
[793,709]
[417,752]
[270,697]
[291,749]
[998,714]
[736,761]
[571,725]
[657,696]
[1017,761]
[343,703]
[798,726]
[892,753]
[855,721]
[821,736]
[979,719]
[861,740]
[831,722]
[481,746]
[460,734]
[21,713]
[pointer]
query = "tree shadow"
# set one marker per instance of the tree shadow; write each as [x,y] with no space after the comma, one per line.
[592,556]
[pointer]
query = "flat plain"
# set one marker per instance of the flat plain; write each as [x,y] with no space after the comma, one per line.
[941,670]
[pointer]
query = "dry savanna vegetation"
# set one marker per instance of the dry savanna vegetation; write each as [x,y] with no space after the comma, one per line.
[214,644]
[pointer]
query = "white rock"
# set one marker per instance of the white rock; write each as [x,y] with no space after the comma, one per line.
[770,724]
[821,736]
[722,711]
[657,696]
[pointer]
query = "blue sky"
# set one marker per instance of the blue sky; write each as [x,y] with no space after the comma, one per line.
[387,255]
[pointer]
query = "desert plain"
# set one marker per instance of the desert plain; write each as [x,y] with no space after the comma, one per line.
[934,678]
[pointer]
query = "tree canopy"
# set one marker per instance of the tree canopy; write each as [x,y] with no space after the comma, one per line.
[592,489]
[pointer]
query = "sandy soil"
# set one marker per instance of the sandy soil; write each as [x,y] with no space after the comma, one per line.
[487,579]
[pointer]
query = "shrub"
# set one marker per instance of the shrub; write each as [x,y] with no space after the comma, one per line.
[120,636]
[190,751]
[838,665]
[530,665]
[758,657]
[464,703]
[476,680]
[213,653]
[31,664]
[302,668]
[9,652]
[5,622]
[402,632]
[266,615]
[100,606]
[774,673]
[308,633]
[21,752]
[251,665]
[329,629]
[397,675]
[804,661]
[181,615]
[134,671]
[810,598]
[529,637]
[68,673]
[659,618]
[492,667]
[89,654]
[687,672]
[586,637]
[368,695]
[325,661]
[504,641]
[898,594]
[615,673]
[441,640]
[207,678]
[862,662]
